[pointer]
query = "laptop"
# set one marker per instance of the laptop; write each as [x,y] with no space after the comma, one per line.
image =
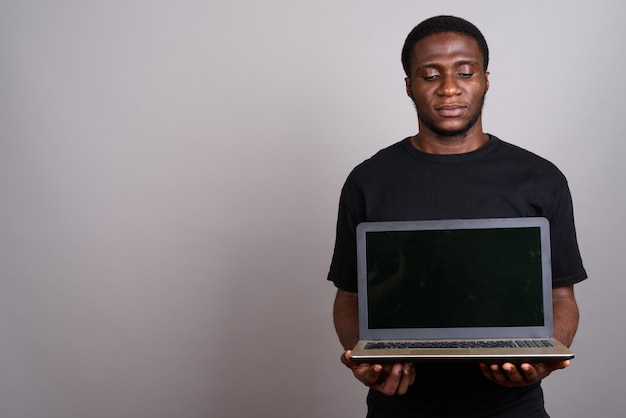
[460,289]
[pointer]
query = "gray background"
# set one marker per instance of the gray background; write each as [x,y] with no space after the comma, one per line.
[169,173]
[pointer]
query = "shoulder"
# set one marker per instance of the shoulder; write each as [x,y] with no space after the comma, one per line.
[525,160]
[507,148]
[387,154]
[380,162]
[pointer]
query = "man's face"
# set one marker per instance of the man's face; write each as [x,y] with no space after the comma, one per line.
[447,83]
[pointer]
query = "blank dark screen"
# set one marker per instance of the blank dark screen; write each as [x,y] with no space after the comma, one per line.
[454,278]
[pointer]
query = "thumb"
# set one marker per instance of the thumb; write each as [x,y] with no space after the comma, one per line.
[345,359]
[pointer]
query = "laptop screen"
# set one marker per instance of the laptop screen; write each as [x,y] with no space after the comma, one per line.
[484,277]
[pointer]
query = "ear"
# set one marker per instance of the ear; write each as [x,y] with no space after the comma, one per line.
[407,82]
[486,81]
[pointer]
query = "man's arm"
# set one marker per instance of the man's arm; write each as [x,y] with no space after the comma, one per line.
[565,313]
[346,317]
[390,379]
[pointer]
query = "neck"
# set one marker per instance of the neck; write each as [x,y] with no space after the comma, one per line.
[431,143]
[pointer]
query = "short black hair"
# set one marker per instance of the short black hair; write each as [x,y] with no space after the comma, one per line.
[442,24]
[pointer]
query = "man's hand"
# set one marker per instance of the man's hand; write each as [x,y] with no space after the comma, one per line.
[525,374]
[390,379]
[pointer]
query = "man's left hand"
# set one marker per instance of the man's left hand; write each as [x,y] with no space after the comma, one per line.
[525,374]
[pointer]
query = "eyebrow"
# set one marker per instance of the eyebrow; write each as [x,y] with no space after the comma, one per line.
[457,63]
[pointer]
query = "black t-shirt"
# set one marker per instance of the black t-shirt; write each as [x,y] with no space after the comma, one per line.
[498,180]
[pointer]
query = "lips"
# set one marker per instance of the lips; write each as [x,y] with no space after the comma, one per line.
[451,110]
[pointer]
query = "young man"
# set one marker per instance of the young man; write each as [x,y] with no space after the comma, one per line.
[452,169]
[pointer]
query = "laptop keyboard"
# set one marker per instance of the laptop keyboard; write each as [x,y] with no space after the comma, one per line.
[458,344]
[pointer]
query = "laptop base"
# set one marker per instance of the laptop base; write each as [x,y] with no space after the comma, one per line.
[558,352]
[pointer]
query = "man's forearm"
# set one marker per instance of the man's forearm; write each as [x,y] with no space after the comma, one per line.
[565,314]
[346,318]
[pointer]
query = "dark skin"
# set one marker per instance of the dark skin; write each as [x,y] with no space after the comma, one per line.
[447,84]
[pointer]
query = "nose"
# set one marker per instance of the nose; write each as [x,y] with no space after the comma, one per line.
[449,86]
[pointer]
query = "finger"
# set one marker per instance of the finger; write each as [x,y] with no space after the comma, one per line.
[518,375]
[500,372]
[493,376]
[530,372]
[543,370]
[390,385]
[492,373]
[412,374]
[557,366]
[366,373]
[406,379]
[369,374]
[496,370]
[345,359]
[485,369]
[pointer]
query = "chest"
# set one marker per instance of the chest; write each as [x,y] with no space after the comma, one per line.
[454,191]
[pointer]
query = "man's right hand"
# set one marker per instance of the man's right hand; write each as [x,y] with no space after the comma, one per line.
[390,379]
